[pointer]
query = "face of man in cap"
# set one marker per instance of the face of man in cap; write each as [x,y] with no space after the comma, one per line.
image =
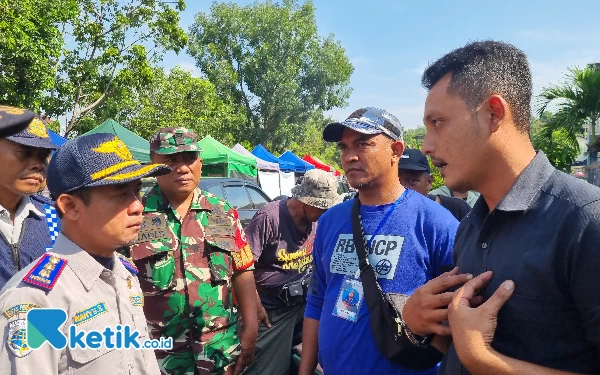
[185,175]
[23,168]
[110,216]
[419,181]
[368,159]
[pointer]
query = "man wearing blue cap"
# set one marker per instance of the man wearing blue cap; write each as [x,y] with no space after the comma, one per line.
[96,183]
[28,222]
[407,239]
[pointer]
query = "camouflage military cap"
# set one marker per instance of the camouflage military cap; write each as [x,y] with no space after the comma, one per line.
[174,140]
[367,121]
[318,189]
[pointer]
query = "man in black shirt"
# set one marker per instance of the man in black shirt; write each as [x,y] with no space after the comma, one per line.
[414,173]
[531,240]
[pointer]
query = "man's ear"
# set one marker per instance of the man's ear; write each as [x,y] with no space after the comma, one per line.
[70,206]
[397,151]
[496,111]
[429,181]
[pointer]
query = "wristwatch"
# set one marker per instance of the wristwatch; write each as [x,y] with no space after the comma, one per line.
[416,340]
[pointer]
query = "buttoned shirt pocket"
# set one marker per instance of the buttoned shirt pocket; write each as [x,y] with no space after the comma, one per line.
[94,361]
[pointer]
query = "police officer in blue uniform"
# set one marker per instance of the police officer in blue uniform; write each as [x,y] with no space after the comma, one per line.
[28,222]
[96,183]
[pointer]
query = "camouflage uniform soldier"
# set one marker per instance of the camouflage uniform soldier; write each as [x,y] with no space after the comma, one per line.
[191,253]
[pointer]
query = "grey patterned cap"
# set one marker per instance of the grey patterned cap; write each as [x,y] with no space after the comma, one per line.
[318,189]
[367,121]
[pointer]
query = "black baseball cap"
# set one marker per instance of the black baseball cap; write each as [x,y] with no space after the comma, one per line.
[414,160]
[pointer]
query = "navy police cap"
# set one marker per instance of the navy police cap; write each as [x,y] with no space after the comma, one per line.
[96,160]
[13,120]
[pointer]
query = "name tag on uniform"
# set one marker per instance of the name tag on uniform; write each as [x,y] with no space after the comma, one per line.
[154,227]
[137,300]
[89,313]
[220,220]
[349,300]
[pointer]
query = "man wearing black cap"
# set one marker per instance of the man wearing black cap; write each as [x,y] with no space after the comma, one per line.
[28,222]
[414,173]
[96,184]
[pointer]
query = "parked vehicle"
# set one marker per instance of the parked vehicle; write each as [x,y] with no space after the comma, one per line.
[245,196]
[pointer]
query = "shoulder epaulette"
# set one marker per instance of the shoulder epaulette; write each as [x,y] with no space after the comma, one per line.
[46,271]
[128,263]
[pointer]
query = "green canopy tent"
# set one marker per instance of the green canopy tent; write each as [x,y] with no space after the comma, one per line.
[138,146]
[221,161]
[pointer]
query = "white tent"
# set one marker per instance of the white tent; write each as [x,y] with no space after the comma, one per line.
[268,172]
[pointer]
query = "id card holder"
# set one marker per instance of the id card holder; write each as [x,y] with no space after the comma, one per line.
[349,300]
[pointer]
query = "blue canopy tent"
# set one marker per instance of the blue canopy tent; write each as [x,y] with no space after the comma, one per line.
[57,139]
[300,165]
[262,153]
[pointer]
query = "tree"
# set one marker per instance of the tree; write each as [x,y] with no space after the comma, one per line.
[174,99]
[112,47]
[554,141]
[30,46]
[578,102]
[413,138]
[312,143]
[269,58]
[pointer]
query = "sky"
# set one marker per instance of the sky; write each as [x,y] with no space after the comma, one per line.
[390,43]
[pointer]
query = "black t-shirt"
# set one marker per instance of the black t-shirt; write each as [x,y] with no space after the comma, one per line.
[282,252]
[457,207]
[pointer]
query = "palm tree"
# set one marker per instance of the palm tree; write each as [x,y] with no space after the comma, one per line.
[577,102]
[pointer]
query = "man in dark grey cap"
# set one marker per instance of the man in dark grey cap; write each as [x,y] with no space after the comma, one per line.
[28,222]
[281,236]
[408,239]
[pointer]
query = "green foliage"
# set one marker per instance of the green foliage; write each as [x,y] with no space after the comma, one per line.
[269,59]
[312,143]
[555,141]
[413,138]
[111,50]
[577,102]
[174,99]
[30,46]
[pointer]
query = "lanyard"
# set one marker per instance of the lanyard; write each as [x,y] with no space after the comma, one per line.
[52,221]
[384,220]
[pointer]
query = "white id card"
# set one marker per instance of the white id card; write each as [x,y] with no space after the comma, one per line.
[349,300]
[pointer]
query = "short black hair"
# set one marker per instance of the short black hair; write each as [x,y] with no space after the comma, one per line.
[480,69]
[83,194]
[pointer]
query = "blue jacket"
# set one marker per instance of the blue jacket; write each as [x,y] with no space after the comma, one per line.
[35,238]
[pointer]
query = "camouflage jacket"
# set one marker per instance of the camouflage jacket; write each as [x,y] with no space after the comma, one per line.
[186,265]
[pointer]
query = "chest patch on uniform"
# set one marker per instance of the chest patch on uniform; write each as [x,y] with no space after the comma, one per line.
[384,255]
[220,220]
[154,227]
[90,313]
[46,271]
[17,339]
[127,263]
[21,308]
[137,300]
